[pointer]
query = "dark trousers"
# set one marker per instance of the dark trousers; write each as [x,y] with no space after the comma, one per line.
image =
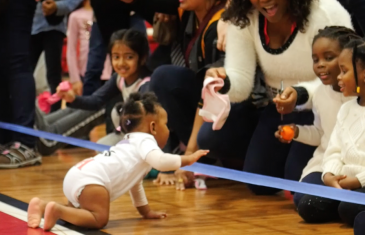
[17,90]
[178,91]
[312,178]
[267,156]
[314,209]
[51,42]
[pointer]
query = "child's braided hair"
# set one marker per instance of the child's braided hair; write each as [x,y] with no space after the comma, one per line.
[135,108]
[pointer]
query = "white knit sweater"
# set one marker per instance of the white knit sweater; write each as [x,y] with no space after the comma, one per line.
[326,104]
[293,66]
[345,154]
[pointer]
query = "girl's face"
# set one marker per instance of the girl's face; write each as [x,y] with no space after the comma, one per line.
[194,5]
[273,10]
[346,79]
[159,129]
[124,60]
[325,54]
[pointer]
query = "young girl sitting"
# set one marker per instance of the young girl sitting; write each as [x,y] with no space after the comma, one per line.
[326,102]
[129,51]
[92,184]
[344,161]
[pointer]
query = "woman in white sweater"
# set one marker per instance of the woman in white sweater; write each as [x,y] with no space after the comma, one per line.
[278,36]
[344,159]
[327,100]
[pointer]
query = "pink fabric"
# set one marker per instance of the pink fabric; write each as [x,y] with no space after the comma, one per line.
[45,100]
[216,106]
[79,29]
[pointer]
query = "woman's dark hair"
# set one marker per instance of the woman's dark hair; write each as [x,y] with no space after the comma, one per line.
[339,33]
[238,11]
[132,38]
[135,108]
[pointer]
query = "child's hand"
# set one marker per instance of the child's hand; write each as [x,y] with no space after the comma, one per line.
[69,96]
[164,178]
[77,88]
[49,7]
[286,102]
[333,180]
[350,183]
[187,160]
[155,215]
[279,136]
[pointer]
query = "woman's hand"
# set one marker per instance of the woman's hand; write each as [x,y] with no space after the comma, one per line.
[350,183]
[77,88]
[280,137]
[69,96]
[185,179]
[333,180]
[216,73]
[165,179]
[286,102]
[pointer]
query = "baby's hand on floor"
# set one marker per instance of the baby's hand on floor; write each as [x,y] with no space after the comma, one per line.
[155,215]
[165,179]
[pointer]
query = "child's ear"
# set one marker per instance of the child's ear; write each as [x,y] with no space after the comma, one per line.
[153,128]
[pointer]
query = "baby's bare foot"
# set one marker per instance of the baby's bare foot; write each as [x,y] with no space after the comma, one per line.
[51,215]
[35,212]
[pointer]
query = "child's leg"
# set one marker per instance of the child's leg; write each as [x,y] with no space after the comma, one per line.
[94,213]
[315,209]
[348,211]
[312,178]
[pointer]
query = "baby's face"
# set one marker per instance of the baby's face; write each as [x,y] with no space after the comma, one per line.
[162,131]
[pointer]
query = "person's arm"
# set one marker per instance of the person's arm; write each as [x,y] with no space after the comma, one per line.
[240,63]
[193,143]
[332,162]
[66,6]
[99,98]
[138,195]
[305,92]
[311,135]
[72,39]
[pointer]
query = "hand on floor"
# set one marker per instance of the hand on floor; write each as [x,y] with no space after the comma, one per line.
[165,179]
[185,179]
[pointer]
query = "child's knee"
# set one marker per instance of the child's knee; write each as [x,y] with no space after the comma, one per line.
[359,224]
[102,221]
[347,212]
[315,209]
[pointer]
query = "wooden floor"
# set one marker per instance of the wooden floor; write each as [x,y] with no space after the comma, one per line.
[225,208]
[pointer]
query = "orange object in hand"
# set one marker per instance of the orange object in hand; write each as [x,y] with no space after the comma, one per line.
[287,133]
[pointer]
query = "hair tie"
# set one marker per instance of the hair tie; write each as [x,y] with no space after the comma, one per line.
[128,122]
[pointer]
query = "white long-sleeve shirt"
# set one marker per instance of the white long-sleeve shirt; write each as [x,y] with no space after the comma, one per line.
[345,154]
[326,104]
[293,66]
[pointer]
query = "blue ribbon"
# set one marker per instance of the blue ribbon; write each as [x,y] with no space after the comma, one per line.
[219,172]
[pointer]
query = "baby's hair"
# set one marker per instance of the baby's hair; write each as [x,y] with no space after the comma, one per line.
[342,34]
[132,38]
[135,108]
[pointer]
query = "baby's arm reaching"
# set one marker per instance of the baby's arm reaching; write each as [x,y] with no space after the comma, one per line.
[140,202]
[169,162]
